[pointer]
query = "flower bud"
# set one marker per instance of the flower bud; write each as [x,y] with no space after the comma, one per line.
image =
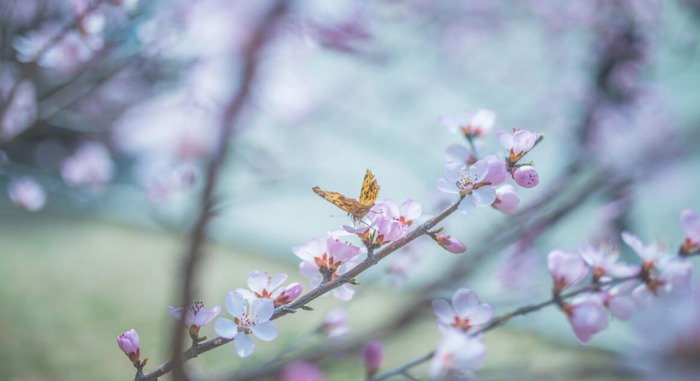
[372,357]
[526,176]
[289,294]
[450,244]
[129,344]
[506,199]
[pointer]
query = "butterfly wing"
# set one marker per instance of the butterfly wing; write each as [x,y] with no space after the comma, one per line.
[351,206]
[370,189]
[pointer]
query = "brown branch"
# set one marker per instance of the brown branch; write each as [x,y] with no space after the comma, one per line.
[251,55]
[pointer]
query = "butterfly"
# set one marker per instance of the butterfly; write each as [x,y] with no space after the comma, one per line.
[357,209]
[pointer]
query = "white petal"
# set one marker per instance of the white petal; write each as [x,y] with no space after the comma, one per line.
[452,169]
[261,310]
[244,345]
[225,328]
[484,196]
[277,281]
[265,331]
[467,205]
[258,281]
[308,269]
[464,302]
[446,186]
[481,314]
[443,310]
[236,304]
[505,139]
[344,292]
[458,152]
[621,307]
[411,209]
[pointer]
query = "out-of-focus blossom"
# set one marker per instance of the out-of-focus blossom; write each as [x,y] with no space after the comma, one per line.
[450,244]
[526,176]
[506,199]
[165,183]
[90,166]
[129,343]
[48,48]
[672,276]
[617,300]
[458,152]
[649,254]
[250,317]
[468,181]
[566,269]
[27,194]
[603,260]
[471,124]
[324,259]
[196,316]
[335,323]
[20,113]
[465,313]
[518,143]
[302,370]
[403,262]
[587,317]
[372,357]
[456,357]
[690,222]
[348,36]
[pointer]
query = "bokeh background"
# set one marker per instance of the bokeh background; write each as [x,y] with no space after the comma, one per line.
[110,111]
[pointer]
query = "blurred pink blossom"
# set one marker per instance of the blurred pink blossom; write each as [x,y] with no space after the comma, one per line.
[566,269]
[89,166]
[465,313]
[587,317]
[372,357]
[335,323]
[27,194]
[457,356]
[302,370]
[506,199]
[471,124]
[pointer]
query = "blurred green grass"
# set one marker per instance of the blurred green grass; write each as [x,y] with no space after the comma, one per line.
[69,286]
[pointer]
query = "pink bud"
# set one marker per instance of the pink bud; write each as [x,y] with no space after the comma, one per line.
[526,176]
[129,344]
[506,199]
[302,370]
[450,244]
[289,294]
[372,357]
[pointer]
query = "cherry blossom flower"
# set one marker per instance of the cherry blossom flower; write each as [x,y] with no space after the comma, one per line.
[288,295]
[129,343]
[526,176]
[465,313]
[518,143]
[335,323]
[649,254]
[506,199]
[450,244]
[566,269]
[617,300]
[378,230]
[456,357]
[27,194]
[690,222]
[587,317]
[90,166]
[408,212]
[249,317]
[471,124]
[20,107]
[196,316]
[468,181]
[372,357]
[302,370]
[603,262]
[262,285]
[325,259]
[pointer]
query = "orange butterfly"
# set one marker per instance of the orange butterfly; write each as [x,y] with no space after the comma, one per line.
[357,209]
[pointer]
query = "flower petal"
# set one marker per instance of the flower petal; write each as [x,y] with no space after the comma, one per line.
[244,345]
[236,304]
[225,328]
[484,196]
[261,310]
[265,331]
[467,205]
[443,310]
[258,281]
[464,302]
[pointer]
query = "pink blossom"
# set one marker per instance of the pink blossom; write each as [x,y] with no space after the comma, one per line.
[89,166]
[302,370]
[603,261]
[262,285]
[518,143]
[526,176]
[378,229]
[27,194]
[690,222]
[288,295]
[456,357]
[670,274]
[471,124]
[335,323]
[196,316]
[506,199]
[587,317]
[372,357]
[19,111]
[450,244]
[566,269]
[617,300]
[468,181]
[649,254]
[325,259]
[250,317]
[465,313]
[129,344]
[408,212]
[497,173]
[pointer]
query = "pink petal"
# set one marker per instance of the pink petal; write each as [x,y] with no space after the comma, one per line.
[621,307]
[505,139]
[464,302]
[443,310]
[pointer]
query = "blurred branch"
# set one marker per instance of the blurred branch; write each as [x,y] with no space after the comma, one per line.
[232,112]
